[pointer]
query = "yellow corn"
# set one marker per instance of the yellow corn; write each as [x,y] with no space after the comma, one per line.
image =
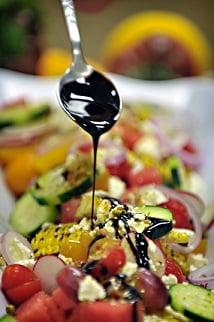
[179,236]
[48,240]
[180,259]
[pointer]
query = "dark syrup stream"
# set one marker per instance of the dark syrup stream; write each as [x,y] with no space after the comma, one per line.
[94,104]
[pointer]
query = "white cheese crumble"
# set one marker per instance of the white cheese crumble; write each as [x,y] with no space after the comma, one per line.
[148,145]
[90,290]
[116,187]
[169,280]
[196,261]
[152,196]
[129,269]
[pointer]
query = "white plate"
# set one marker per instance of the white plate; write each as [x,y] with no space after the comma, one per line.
[192,97]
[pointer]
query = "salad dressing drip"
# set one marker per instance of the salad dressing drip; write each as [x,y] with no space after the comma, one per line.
[94,105]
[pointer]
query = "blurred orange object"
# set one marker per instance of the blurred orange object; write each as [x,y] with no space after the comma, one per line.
[8,154]
[202,247]
[20,172]
[156,45]
[54,61]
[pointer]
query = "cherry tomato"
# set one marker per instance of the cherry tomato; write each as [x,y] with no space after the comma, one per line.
[68,210]
[145,176]
[120,169]
[18,295]
[19,283]
[105,311]
[109,265]
[130,137]
[173,268]
[180,213]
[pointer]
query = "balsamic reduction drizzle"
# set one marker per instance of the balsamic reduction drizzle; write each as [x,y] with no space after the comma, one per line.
[93,103]
[98,237]
[142,247]
[158,228]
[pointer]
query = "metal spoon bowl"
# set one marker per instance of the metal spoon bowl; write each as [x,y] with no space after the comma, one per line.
[81,83]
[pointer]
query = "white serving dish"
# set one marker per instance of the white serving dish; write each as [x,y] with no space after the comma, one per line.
[193,98]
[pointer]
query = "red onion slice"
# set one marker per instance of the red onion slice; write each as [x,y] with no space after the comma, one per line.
[46,269]
[195,200]
[15,247]
[24,135]
[191,160]
[3,304]
[203,276]
[193,213]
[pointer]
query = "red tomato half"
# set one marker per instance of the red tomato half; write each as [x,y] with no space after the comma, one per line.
[15,275]
[180,213]
[18,295]
[173,268]
[145,176]
[19,283]
[105,311]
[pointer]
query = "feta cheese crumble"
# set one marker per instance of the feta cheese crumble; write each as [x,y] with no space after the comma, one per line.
[90,290]
[169,280]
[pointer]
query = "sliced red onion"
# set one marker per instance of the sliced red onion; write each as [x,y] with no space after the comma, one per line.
[157,258]
[116,153]
[46,269]
[13,239]
[24,135]
[191,160]
[203,276]
[3,304]
[196,201]
[194,216]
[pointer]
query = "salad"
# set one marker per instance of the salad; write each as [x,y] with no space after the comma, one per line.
[144,259]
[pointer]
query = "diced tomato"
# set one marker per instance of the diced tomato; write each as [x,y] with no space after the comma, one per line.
[62,300]
[120,169]
[105,311]
[130,136]
[109,265]
[55,313]
[34,310]
[18,295]
[180,213]
[173,268]
[145,176]
[190,147]
[85,147]
[68,210]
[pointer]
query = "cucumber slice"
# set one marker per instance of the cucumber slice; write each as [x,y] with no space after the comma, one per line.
[28,215]
[61,183]
[176,172]
[7,318]
[155,212]
[22,115]
[193,301]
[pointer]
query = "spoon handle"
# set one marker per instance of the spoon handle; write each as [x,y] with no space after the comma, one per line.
[73,32]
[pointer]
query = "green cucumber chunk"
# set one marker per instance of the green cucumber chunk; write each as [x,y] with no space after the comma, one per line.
[176,169]
[193,301]
[22,115]
[63,182]
[7,318]
[28,215]
[155,212]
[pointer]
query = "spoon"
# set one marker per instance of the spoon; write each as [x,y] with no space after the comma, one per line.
[86,95]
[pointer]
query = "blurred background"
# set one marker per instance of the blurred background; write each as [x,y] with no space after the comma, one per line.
[153,40]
